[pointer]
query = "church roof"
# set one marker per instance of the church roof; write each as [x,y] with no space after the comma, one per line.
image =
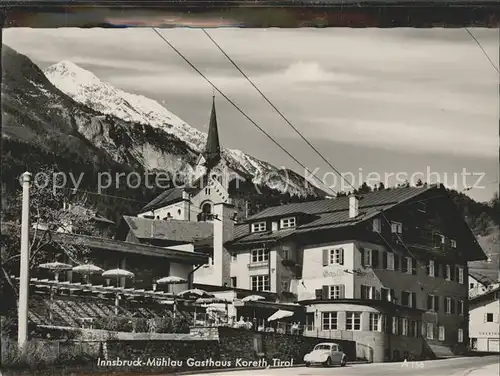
[168,197]
[212,151]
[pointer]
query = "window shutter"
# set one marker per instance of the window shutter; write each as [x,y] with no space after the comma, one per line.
[429,301]
[485,317]
[362,252]
[414,300]
[341,251]
[436,303]
[374,258]
[342,291]
[436,269]
[324,293]
[396,261]
[319,293]
[325,257]
[384,260]
[404,265]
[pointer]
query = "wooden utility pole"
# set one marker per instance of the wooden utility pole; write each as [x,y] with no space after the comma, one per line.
[22,313]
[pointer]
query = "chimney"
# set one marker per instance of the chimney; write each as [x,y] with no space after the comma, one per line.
[223,231]
[353,206]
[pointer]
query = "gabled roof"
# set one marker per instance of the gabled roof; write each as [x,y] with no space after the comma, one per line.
[166,198]
[484,280]
[174,230]
[487,297]
[329,213]
[338,208]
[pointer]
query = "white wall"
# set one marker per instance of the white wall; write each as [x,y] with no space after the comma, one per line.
[315,275]
[182,247]
[173,210]
[482,330]
[477,287]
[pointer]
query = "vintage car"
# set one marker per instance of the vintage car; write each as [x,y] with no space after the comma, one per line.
[326,354]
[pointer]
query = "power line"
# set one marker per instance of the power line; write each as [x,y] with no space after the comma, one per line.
[274,107]
[482,49]
[238,108]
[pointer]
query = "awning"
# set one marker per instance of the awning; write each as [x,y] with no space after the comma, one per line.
[278,315]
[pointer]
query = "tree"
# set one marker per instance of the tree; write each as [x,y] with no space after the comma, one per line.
[365,188]
[48,213]
[419,183]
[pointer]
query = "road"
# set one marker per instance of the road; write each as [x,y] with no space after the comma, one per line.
[444,367]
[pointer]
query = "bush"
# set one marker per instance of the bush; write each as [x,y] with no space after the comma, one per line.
[140,325]
[114,324]
[164,325]
[35,354]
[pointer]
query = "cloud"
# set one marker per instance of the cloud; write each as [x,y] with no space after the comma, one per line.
[313,72]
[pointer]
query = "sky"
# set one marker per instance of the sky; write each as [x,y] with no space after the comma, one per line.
[418,102]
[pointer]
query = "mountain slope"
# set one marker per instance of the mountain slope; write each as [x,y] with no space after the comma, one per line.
[85,88]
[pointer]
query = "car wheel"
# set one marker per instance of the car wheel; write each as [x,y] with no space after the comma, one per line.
[343,362]
[328,362]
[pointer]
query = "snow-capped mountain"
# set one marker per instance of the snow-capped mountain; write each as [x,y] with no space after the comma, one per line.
[150,116]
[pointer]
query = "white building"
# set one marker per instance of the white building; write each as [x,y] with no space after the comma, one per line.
[484,321]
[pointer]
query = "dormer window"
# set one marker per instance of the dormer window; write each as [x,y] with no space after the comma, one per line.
[453,243]
[397,228]
[259,227]
[377,225]
[288,222]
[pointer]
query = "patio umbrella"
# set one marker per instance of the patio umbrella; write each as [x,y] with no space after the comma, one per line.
[194,294]
[280,314]
[87,270]
[55,267]
[172,280]
[252,298]
[117,273]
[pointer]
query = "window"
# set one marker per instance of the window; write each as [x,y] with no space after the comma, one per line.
[288,222]
[377,225]
[396,228]
[453,243]
[234,282]
[329,320]
[443,239]
[460,307]
[447,272]
[431,268]
[375,322]
[367,292]
[395,326]
[415,328]
[460,335]
[390,261]
[441,333]
[234,256]
[386,294]
[260,255]
[405,326]
[430,331]
[260,283]
[285,253]
[448,305]
[336,292]
[259,227]
[488,317]
[353,320]
[460,275]
[309,321]
[433,302]
[408,299]
[367,257]
[409,265]
[336,256]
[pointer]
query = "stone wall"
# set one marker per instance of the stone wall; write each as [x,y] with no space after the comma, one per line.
[249,345]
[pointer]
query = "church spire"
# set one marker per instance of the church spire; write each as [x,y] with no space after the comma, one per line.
[212,148]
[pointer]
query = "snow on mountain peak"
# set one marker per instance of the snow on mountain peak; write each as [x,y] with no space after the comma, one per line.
[86,88]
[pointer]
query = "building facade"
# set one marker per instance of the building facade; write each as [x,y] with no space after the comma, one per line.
[382,269]
[484,321]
